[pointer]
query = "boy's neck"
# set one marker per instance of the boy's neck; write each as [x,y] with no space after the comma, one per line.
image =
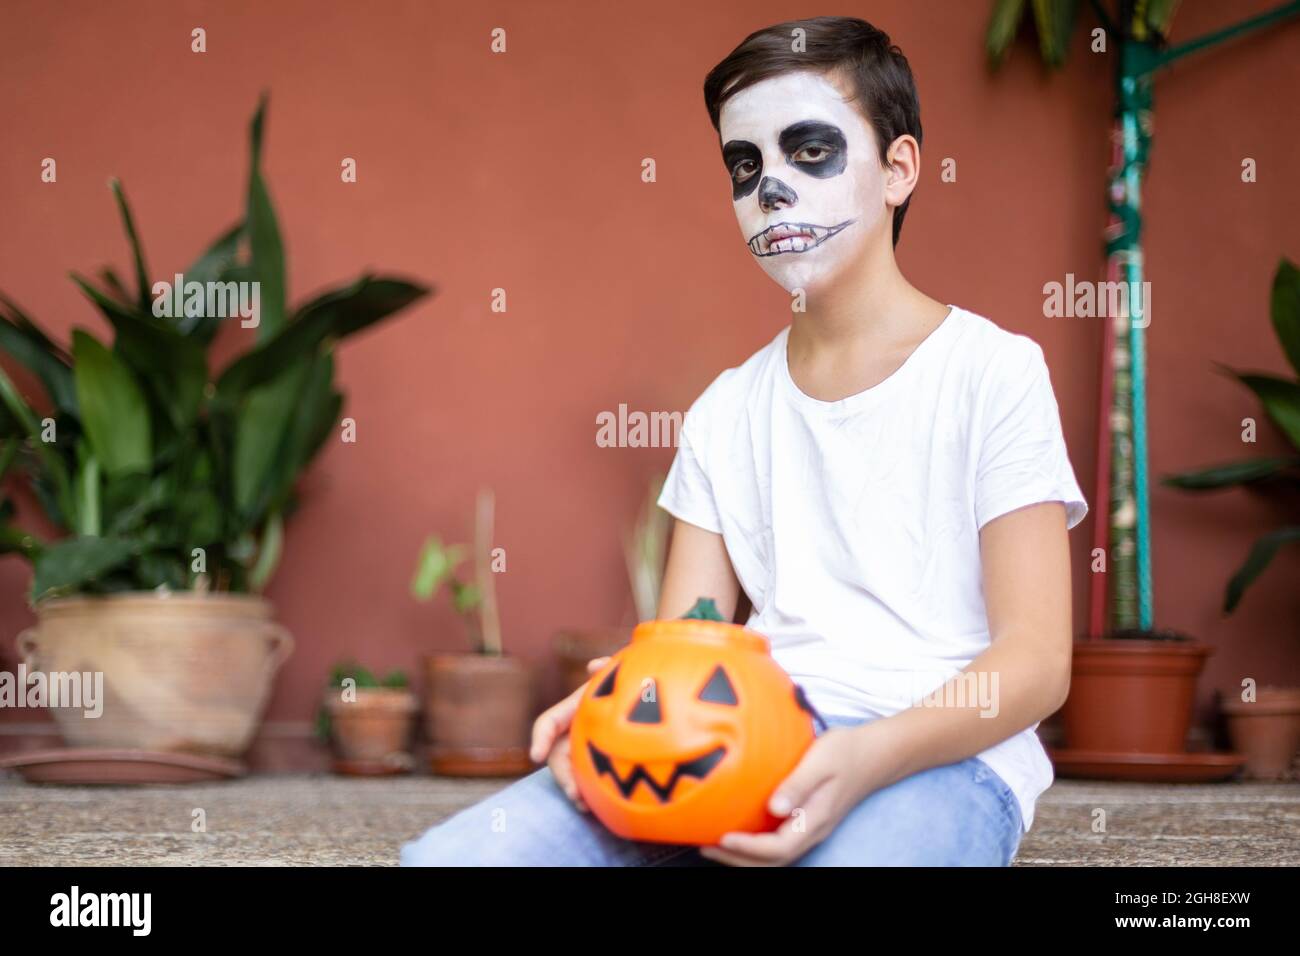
[871,302]
[858,331]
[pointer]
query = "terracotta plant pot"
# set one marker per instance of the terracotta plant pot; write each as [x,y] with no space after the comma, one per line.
[371,734]
[182,672]
[1132,696]
[479,714]
[576,646]
[1266,731]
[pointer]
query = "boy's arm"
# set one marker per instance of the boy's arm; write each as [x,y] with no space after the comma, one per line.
[1026,564]
[1026,567]
[698,566]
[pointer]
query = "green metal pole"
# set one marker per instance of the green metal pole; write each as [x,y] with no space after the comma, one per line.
[1132,604]
[1249,25]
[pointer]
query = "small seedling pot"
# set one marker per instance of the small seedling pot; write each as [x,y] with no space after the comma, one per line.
[371,734]
[1266,731]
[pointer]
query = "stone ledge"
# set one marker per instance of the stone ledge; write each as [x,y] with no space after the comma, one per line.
[326,820]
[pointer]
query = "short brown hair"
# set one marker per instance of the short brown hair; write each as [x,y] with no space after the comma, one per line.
[885,88]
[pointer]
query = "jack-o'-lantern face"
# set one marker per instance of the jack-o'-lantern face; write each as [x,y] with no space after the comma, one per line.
[686,732]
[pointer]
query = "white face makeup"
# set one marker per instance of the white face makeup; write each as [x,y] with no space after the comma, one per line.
[806,177]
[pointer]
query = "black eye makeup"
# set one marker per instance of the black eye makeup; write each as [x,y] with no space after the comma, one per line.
[816,148]
[744,163]
[811,146]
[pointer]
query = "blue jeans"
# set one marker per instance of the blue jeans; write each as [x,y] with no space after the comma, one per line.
[962,814]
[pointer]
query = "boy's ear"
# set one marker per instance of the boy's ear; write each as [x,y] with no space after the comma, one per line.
[904,166]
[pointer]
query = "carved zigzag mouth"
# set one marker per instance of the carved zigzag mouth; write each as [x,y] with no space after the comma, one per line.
[699,768]
[793,237]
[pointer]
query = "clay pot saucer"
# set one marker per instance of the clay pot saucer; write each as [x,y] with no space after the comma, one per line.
[478,715]
[480,761]
[1146,768]
[360,767]
[86,765]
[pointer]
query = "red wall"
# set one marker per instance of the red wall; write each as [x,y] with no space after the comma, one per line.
[522,171]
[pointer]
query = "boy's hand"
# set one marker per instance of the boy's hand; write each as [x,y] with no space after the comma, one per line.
[830,780]
[551,738]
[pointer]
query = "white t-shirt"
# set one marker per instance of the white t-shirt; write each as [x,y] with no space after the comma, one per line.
[854,525]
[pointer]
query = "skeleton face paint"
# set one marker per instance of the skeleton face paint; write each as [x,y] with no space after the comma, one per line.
[806,176]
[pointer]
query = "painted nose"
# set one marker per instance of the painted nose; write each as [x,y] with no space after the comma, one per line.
[774,194]
[646,710]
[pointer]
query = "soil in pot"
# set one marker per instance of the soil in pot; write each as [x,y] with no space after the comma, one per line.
[1129,694]
[372,733]
[479,714]
[1266,731]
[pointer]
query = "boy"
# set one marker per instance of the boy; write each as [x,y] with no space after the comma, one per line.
[888,483]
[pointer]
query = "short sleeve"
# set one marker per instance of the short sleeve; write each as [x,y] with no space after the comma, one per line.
[1022,457]
[688,493]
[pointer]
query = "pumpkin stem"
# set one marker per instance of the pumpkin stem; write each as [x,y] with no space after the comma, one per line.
[704,609]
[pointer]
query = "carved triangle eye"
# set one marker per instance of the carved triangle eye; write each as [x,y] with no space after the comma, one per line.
[647,709]
[719,690]
[607,685]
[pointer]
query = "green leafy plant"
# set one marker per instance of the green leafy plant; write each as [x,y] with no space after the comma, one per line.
[362,678]
[1281,400]
[164,475]
[1054,23]
[438,565]
[474,598]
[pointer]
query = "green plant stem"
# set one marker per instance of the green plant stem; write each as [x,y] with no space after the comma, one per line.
[53,465]
[88,522]
[1106,23]
[15,540]
[268,552]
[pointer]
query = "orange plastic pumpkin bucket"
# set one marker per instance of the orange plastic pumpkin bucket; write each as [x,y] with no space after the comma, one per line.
[684,735]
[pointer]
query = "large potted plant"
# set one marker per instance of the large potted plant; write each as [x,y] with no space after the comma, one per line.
[479,706]
[172,481]
[1264,722]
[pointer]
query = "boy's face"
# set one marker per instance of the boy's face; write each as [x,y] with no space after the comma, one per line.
[806,177]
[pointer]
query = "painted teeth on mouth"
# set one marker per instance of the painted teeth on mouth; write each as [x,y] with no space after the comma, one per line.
[796,239]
